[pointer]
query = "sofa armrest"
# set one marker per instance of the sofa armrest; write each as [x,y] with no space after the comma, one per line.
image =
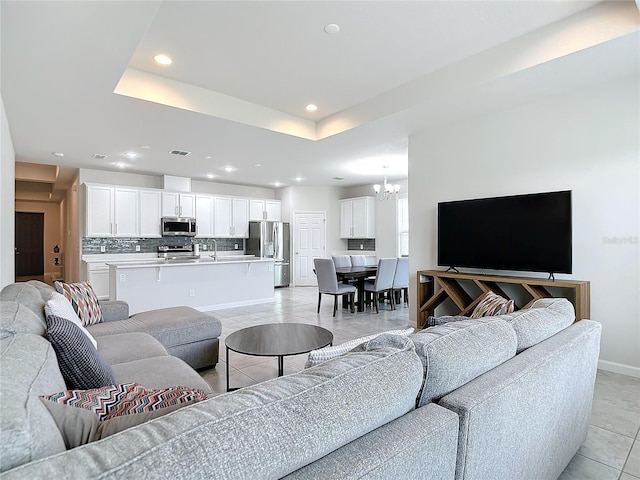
[113,310]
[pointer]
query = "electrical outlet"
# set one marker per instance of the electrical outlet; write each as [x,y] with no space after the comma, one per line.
[103,249]
[123,278]
[204,246]
[361,246]
[192,292]
[137,248]
[235,245]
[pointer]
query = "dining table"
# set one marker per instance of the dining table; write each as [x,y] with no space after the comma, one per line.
[345,274]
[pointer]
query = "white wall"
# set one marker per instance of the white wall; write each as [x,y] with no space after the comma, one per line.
[587,142]
[7,198]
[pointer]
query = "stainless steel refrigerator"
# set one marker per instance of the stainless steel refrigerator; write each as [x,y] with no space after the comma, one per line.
[271,240]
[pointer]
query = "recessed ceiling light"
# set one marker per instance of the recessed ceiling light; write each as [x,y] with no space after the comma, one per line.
[208,157]
[257,164]
[210,175]
[144,146]
[163,59]
[298,179]
[332,28]
[311,107]
[120,164]
[228,169]
[130,154]
[277,184]
[57,154]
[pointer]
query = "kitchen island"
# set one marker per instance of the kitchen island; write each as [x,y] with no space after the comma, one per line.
[204,283]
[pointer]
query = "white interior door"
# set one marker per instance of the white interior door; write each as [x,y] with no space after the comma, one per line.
[309,242]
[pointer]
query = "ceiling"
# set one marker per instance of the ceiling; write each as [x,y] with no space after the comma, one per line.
[78,78]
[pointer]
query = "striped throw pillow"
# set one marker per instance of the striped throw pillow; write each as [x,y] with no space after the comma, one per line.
[491,305]
[83,300]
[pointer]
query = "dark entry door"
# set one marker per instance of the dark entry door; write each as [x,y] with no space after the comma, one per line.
[29,244]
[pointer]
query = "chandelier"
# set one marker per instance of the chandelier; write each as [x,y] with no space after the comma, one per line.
[386,190]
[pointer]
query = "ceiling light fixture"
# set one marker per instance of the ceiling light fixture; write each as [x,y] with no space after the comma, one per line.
[257,164]
[144,146]
[386,190]
[277,184]
[120,164]
[207,157]
[163,59]
[130,154]
[311,107]
[331,28]
[210,175]
[298,179]
[228,169]
[57,154]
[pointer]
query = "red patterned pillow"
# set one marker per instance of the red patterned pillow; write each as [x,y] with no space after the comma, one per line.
[126,399]
[83,300]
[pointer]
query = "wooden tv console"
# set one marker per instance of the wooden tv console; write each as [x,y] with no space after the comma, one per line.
[434,287]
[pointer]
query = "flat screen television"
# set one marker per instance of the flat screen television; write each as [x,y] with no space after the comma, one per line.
[522,232]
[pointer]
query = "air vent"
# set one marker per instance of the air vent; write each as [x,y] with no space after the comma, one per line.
[182,153]
[338,178]
[99,156]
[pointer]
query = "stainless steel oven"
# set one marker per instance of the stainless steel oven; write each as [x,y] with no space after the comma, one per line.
[178,226]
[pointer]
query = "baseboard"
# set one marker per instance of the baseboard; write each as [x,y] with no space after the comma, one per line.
[619,368]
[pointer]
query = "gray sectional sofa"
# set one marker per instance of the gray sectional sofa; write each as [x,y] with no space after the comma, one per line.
[498,398]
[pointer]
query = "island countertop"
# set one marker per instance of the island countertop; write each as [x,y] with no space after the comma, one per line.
[203,283]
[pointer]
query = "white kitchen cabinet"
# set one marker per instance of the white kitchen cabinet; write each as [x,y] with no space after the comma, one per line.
[150,213]
[176,204]
[98,278]
[231,217]
[265,210]
[125,212]
[99,209]
[204,215]
[357,217]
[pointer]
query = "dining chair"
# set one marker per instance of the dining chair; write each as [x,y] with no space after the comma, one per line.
[401,280]
[358,260]
[328,284]
[341,260]
[383,282]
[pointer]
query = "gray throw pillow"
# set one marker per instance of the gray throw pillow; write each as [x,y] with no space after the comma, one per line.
[81,365]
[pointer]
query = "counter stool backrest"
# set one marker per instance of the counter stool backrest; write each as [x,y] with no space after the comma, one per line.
[341,260]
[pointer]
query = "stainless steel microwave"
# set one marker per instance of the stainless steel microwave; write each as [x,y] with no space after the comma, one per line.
[178,226]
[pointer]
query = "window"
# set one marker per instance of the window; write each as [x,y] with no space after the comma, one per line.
[403,225]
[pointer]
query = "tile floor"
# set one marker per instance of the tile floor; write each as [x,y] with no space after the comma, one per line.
[612,448]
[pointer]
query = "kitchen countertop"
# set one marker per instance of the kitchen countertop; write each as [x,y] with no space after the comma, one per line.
[203,260]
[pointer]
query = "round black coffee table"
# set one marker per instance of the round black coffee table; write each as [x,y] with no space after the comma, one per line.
[277,340]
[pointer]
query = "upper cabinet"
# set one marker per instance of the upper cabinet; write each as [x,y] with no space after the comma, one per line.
[204,215]
[112,211]
[265,210]
[150,213]
[231,217]
[357,217]
[178,204]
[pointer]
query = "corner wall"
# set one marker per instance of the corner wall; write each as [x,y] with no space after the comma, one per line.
[7,199]
[586,141]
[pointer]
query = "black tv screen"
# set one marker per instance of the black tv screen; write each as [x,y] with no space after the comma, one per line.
[522,232]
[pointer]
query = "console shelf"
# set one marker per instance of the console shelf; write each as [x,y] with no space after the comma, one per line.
[434,287]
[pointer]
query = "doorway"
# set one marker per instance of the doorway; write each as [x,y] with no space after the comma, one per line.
[309,242]
[29,244]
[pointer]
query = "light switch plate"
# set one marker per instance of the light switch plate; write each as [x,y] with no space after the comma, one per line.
[137,248]
[103,249]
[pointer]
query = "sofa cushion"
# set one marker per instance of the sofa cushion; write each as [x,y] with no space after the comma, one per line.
[171,326]
[545,318]
[80,363]
[457,352]
[58,305]
[16,318]
[159,372]
[27,431]
[127,347]
[26,294]
[316,357]
[112,408]
[84,301]
[491,305]
[433,321]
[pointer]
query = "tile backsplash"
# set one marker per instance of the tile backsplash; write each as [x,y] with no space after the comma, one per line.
[92,245]
[368,244]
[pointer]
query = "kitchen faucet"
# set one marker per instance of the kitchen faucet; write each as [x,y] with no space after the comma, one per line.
[215,250]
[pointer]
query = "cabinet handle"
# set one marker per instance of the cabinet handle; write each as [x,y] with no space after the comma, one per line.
[116,228]
[180,210]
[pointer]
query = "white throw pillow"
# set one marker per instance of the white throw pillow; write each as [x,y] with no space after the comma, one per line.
[59,306]
[316,357]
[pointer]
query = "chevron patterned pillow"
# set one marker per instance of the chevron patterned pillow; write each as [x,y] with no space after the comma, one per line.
[83,300]
[85,416]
